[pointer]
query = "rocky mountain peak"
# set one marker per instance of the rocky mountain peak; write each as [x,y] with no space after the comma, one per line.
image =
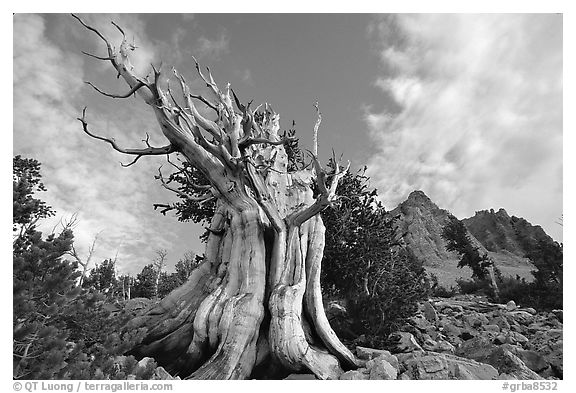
[418,197]
[500,232]
[420,224]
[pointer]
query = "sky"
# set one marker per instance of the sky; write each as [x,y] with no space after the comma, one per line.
[465,107]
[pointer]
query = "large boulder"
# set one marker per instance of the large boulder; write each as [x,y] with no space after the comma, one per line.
[501,322]
[532,359]
[404,342]
[370,353]
[492,328]
[427,365]
[478,348]
[511,305]
[450,329]
[161,374]
[422,324]
[359,374]
[559,314]
[430,312]
[555,358]
[380,368]
[510,366]
[521,317]
[476,320]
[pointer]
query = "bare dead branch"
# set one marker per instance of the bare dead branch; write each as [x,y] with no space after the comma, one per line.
[316,127]
[131,162]
[206,102]
[149,151]
[93,30]
[323,200]
[119,29]
[223,98]
[238,103]
[133,90]
[98,57]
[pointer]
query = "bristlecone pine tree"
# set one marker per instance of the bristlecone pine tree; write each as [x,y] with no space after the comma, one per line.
[256,299]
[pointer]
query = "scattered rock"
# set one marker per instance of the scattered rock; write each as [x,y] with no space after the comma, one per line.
[404,342]
[523,317]
[479,348]
[361,373]
[492,328]
[450,329]
[516,338]
[429,344]
[459,338]
[510,366]
[447,307]
[553,334]
[532,359]
[143,363]
[511,305]
[553,353]
[530,310]
[423,365]
[444,346]
[559,314]
[476,320]
[380,369]
[500,339]
[370,353]
[422,324]
[430,312]
[501,322]
[162,374]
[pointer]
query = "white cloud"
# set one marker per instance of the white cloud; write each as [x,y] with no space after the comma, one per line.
[212,48]
[479,122]
[83,175]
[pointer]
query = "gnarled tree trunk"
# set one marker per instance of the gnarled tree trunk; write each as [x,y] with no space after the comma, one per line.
[256,298]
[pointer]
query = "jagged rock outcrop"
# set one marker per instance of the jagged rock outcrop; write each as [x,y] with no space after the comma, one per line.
[502,233]
[420,223]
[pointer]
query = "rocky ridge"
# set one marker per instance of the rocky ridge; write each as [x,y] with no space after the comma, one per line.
[500,232]
[420,222]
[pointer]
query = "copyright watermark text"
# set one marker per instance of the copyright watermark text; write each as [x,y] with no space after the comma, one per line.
[91,386]
[536,385]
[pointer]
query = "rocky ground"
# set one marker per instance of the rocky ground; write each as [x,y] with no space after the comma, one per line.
[466,337]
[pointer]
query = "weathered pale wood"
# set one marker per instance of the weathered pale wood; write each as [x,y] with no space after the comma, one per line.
[256,299]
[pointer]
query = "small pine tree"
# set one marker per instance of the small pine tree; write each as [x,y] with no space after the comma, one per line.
[59,330]
[145,282]
[364,263]
[102,278]
[457,239]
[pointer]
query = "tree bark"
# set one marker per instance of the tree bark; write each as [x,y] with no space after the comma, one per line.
[256,298]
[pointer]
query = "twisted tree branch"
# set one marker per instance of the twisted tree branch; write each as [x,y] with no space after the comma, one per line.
[133,90]
[149,151]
